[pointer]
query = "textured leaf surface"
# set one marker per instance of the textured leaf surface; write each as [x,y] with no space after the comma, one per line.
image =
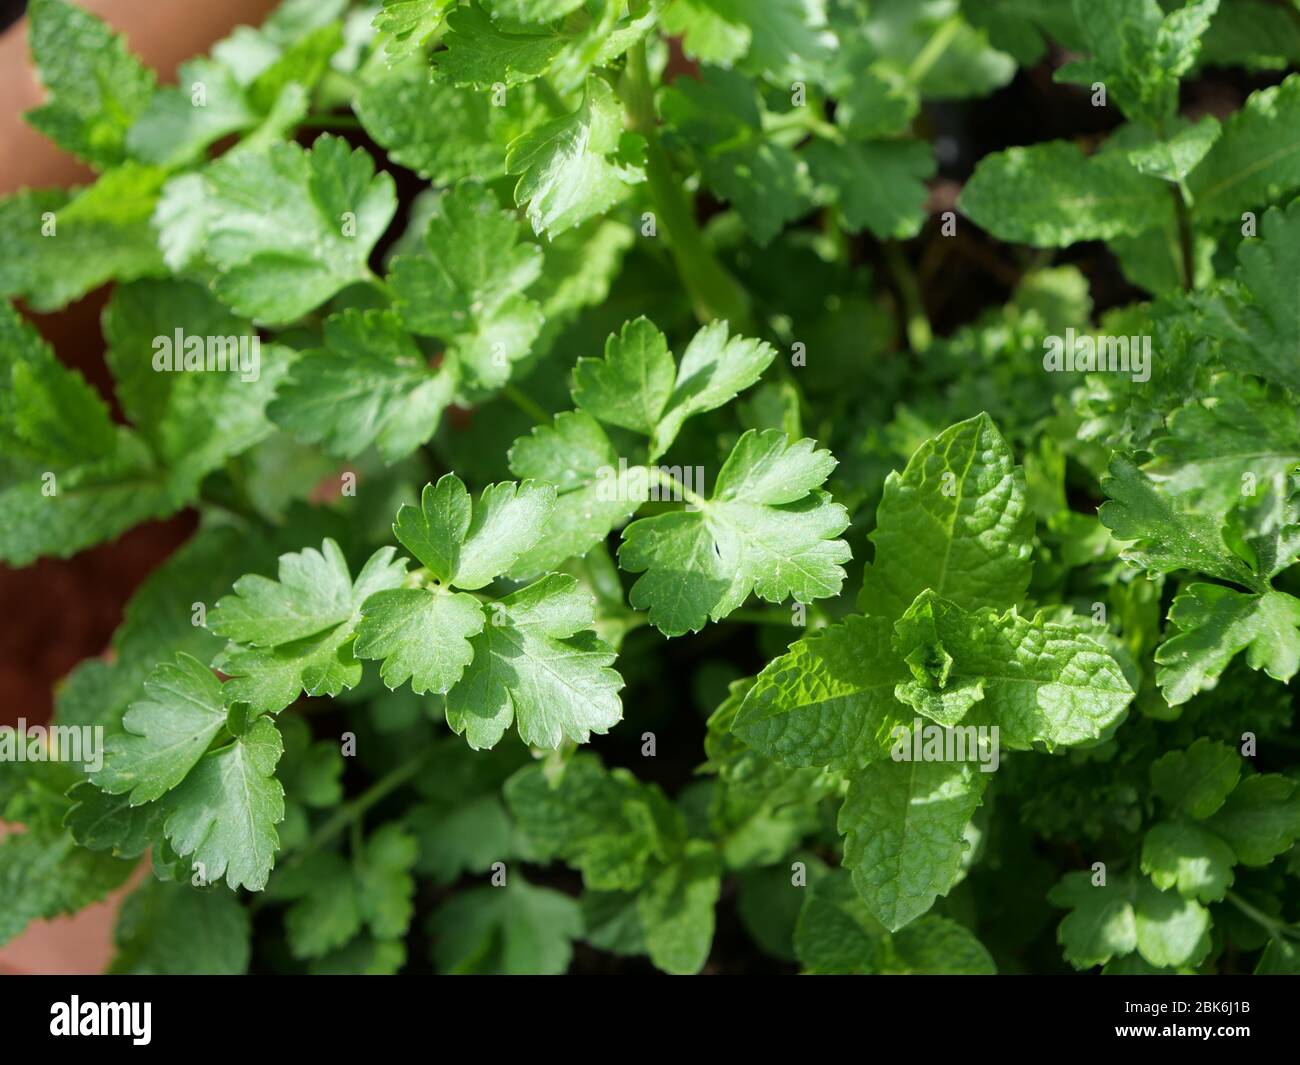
[467,285]
[369,384]
[904,826]
[1051,195]
[288,228]
[954,521]
[1039,682]
[89,108]
[829,700]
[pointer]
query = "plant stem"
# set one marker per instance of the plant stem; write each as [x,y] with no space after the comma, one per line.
[919,334]
[354,809]
[713,292]
[675,486]
[1185,239]
[1271,924]
[533,409]
[935,47]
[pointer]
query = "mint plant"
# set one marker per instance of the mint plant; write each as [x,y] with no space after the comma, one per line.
[610,553]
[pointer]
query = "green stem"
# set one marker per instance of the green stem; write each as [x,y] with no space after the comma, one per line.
[1273,926]
[1185,240]
[356,808]
[919,333]
[676,487]
[713,292]
[803,118]
[935,47]
[534,410]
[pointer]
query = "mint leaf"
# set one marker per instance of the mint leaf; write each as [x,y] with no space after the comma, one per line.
[829,700]
[767,530]
[213,100]
[68,244]
[605,823]
[1139,52]
[193,421]
[96,87]
[1051,195]
[1252,164]
[467,287]
[904,826]
[954,521]
[1038,681]
[1173,159]
[43,873]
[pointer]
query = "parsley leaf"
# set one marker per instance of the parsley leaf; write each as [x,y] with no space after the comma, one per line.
[295,635]
[767,530]
[288,228]
[223,815]
[369,384]
[576,166]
